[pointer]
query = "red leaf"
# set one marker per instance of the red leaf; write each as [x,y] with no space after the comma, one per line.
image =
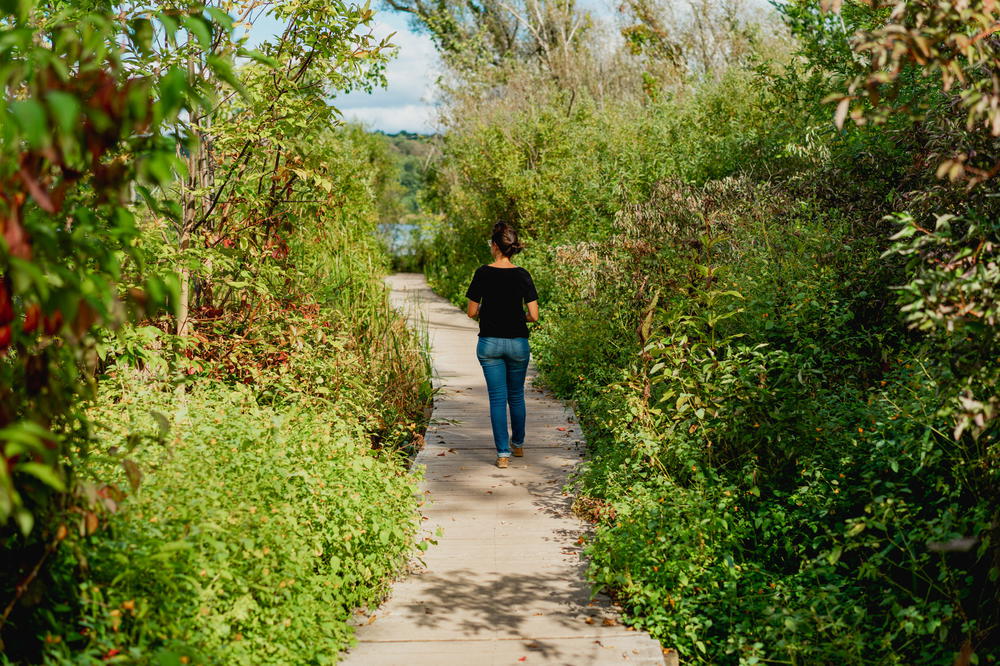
[17,239]
[31,317]
[6,306]
[53,323]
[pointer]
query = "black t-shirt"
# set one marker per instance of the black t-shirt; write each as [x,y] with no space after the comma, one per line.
[501,294]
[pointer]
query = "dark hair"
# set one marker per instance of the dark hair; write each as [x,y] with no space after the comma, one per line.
[505,238]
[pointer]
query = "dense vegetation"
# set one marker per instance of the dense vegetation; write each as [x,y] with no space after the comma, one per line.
[206,406]
[767,256]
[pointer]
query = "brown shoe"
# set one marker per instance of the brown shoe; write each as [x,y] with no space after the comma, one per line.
[518,451]
[502,463]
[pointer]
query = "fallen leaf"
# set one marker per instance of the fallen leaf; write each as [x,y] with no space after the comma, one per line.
[609,622]
[588,620]
[523,659]
[441,454]
[534,645]
[371,619]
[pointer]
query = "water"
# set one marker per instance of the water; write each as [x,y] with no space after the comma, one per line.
[400,237]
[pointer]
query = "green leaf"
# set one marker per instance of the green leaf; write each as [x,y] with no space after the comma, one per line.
[161,421]
[29,272]
[224,70]
[200,29]
[834,555]
[168,658]
[43,473]
[20,8]
[142,34]
[24,519]
[22,436]
[256,55]
[65,109]
[172,90]
[170,25]
[175,546]
[220,17]
[30,117]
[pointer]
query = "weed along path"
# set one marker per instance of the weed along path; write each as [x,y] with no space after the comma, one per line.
[505,583]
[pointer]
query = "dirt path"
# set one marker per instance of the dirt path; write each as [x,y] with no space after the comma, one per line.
[505,584]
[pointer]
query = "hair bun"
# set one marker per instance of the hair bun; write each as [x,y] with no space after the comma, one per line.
[505,238]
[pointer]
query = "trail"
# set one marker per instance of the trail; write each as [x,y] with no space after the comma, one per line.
[505,583]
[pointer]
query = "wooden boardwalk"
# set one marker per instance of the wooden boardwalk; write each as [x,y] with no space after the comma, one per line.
[505,584]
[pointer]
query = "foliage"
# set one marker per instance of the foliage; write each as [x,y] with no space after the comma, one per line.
[779,335]
[955,43]
[210,179]
[952,295]
[79,128]
[560,167]
[255,533]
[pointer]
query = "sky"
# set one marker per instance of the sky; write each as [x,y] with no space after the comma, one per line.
[407,102]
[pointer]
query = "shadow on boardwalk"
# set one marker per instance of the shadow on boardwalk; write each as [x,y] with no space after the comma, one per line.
[505,583]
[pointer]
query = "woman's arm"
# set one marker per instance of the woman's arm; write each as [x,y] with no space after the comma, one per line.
[472,310]
[532,311]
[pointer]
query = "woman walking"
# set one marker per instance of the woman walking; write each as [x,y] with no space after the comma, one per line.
[498,295]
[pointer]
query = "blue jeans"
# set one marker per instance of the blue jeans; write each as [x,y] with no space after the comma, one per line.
[505,364]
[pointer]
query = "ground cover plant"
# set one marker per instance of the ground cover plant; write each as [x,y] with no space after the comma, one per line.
[768,286]
[207,404]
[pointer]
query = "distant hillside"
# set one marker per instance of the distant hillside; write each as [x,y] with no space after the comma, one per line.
[412,153]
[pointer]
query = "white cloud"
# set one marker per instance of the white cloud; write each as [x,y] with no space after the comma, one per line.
[410,117]
[407,102]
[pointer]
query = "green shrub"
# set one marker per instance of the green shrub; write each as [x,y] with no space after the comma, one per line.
[771,468]
[254,532]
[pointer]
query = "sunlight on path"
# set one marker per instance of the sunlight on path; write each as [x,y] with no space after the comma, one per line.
[505,584]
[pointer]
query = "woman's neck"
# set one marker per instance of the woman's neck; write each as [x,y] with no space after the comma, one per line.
[502,262]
